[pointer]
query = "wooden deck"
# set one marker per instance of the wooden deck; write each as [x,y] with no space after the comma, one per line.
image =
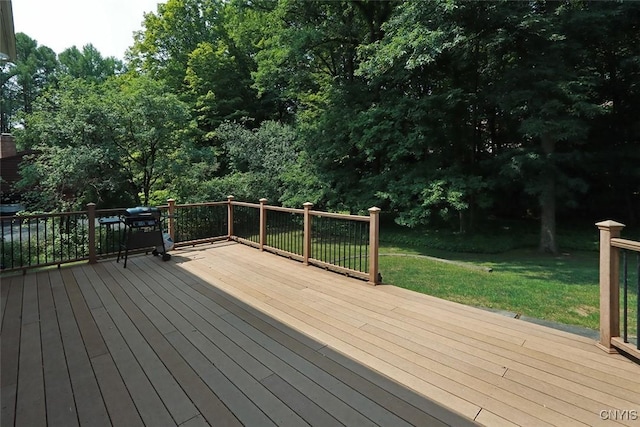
[226,335]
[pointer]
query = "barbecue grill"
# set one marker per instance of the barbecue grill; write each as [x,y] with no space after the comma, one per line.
[143,230]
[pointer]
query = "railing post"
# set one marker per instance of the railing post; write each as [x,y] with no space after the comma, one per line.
[374,245]
[171,226]
[230,217]
[263,223]
[91,218]
[306,248]
[609,284]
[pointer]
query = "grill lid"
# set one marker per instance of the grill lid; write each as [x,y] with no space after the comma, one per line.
[142,211]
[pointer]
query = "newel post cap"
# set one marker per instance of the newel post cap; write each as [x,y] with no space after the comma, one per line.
[307,204]
[374,209]
[230,197]
[263,200]
[609,225]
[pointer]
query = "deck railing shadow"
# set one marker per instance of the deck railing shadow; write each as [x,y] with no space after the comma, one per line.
[170,319]
[273,336]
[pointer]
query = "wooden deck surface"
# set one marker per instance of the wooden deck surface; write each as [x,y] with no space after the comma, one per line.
[226,335]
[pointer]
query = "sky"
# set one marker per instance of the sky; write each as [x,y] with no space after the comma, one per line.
[60,24]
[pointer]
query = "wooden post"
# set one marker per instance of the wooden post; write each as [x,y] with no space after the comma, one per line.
[374,245]
[230,217]
[91,218]
[609,284]
[263,223]
[306,248]
[171,225]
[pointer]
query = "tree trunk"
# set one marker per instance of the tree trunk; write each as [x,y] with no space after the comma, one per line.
[548,243]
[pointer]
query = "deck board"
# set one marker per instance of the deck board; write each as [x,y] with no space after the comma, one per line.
[224,334]
[100,394]
[30,404]
[60,405]
[10,348]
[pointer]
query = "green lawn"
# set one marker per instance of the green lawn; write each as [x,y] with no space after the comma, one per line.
[562,289]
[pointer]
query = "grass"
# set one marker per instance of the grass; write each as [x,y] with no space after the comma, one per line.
[562,289]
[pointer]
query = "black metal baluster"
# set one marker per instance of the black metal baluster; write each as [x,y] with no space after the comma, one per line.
[60,239]
[290,248]
[345,243]
[287,234]
[366,249]
[330,239]
[53,238]
[46,242]
[625,295]
[283,229]
[334,247]
[338,256]
[327,257]
[323,239]
[199,220]
[38,240]
[176,222]
[327,240]
[29,240]
[357,265]
[187,220]
[280,228]
[69,240]
[340,248]
[354,247]
[359,244]
[77,229]
[12,245]
[3,261]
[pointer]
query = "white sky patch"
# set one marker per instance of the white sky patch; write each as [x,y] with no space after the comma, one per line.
[59,24]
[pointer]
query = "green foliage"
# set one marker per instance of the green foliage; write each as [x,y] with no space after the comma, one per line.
[88,64]
[21,84]
[443,112]
[67,178]
[267,160]
[107,142]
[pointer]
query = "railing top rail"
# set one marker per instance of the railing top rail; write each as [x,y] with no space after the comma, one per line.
[340,216]
[281,209]
[625,244]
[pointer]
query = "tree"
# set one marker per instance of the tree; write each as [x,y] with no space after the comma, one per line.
[206,60]
[88,64]
[171,34]
[270,161]
[307,63]
[495,86]
[147,125]
[126,132]
[23,83]
[76,161]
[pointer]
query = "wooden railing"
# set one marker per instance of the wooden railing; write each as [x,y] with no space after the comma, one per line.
[346,244]
[614,305]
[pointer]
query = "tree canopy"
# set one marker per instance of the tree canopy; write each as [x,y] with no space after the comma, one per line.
[445,112]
